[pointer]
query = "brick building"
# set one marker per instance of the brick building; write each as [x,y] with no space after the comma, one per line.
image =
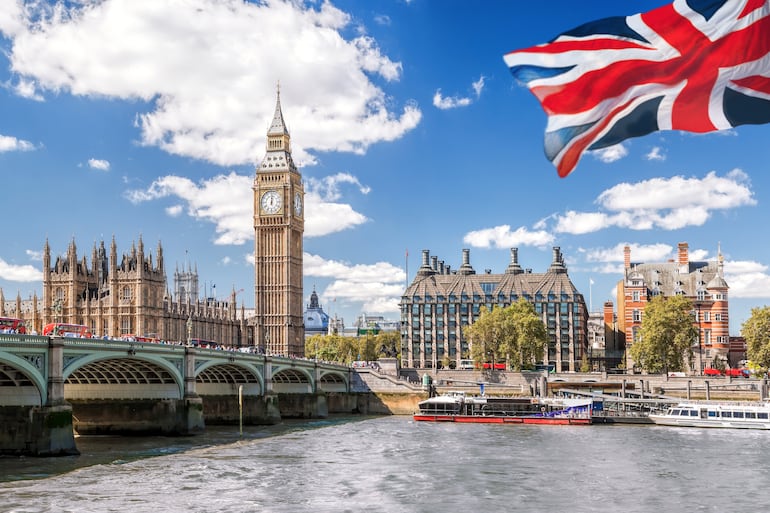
[702,282]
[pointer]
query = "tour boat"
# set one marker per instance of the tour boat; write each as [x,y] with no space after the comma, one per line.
[457,407]
[716,415]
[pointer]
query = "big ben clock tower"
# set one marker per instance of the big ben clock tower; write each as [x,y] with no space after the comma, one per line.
[279,223]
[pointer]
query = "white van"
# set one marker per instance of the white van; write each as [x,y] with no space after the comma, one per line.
[466,365]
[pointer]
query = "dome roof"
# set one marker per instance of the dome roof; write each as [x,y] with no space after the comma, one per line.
[316,320]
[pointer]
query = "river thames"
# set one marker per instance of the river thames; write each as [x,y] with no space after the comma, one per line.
[392,464]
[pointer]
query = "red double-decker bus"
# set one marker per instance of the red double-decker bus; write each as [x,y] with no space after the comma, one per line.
[63,329]
[12,325]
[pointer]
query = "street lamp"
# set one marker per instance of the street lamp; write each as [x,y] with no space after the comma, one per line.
[57,308]
[189,330]
[267,342]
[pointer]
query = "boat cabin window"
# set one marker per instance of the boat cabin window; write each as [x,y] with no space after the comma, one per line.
[727,414]
[712,413]
[737,414]
[751,415]
[674,412]
[762,415]
[693,413]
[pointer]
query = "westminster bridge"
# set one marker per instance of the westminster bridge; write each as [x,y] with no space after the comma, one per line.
[51,388]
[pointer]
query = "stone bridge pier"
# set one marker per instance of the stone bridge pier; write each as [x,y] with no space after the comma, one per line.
[42,430]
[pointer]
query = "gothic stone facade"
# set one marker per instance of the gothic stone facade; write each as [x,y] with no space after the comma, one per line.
[128,295]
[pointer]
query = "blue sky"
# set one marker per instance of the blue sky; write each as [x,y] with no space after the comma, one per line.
[132,118]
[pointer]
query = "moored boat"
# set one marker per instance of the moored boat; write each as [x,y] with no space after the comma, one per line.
[716,415]
[457,407]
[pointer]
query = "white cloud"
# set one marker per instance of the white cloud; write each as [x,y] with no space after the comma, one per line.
[27,89]
[656,153]
[743,267]
[199,64]
[580,222]
[376,287]
[747,279]
[478,86]
[22,273]
[226,260]
[11,17]
[8,143]
[174,210]
[452,102]
[639,253]
[382,19]
[101,165]
[610,154]
[34,255]
[328,187]
[226,201]
[502,237]
[712,191]
[667,203]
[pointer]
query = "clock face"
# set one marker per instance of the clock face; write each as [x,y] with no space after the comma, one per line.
[298,204]
[271,202]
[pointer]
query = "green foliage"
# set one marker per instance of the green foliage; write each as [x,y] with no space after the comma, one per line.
[514,333]
[756,331]
[667,335]
[336,348]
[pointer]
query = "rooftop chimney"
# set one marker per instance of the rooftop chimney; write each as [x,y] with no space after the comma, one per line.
[466,268]
[514,267]
[683,257]
[425,269]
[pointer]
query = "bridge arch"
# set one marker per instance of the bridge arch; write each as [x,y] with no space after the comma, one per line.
[331,381]
[116,376]
[292,380]
[223,378]
[21,384]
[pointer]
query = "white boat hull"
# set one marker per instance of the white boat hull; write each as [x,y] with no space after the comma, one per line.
[663,420]
[716,415]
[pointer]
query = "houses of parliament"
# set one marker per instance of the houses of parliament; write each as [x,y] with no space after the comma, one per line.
[127,294]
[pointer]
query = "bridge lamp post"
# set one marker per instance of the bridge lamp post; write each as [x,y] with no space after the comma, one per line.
[267,342]
[189,330]
[57,308]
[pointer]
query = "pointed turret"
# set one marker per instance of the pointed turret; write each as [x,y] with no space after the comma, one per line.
[278,127]
[159,252]
[46,260]
[278,150]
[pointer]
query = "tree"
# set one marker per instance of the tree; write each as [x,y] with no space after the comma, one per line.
[667,335]
[336,348]
[529,338]
[485,336]
[756,331]
[515,333]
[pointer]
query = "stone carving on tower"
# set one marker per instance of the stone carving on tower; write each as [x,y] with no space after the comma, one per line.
[279,224]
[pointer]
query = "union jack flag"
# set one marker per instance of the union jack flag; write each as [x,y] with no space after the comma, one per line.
[693,65]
